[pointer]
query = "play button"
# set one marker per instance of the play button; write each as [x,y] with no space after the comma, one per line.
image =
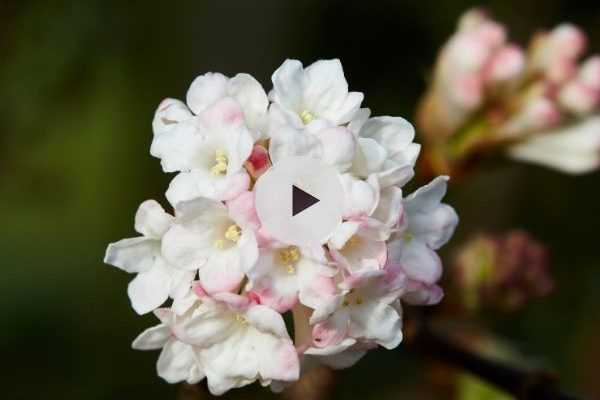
[299,201]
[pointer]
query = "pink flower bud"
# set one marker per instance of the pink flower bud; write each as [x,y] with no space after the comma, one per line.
[258,162]
[578,98]
[507,64]
[568,41]
[467,91]
[589,72]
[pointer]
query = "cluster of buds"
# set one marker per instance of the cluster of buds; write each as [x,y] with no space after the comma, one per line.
[541,104]
[230,281]
[501,272]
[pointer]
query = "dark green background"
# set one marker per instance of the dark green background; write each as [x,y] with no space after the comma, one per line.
[79,82]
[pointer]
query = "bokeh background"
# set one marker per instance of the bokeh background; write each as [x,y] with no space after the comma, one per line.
[79,83]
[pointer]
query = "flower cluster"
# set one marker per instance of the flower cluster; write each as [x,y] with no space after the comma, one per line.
[230,281]
[541,104]
[501,272]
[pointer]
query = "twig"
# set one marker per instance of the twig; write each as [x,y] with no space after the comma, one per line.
[524,384]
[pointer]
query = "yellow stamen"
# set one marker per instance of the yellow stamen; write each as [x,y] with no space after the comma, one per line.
[219,243]
[221,163]
[240,319]
[359,301]
[307,117]
[233,233]
[288,257]
[408,236]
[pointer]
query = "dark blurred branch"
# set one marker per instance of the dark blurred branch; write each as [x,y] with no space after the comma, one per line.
[524,384]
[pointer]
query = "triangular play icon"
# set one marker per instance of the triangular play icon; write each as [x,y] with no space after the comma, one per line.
[301,200]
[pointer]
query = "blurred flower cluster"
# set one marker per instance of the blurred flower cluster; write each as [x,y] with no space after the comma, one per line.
[488,95]
[231,281]
[501,272]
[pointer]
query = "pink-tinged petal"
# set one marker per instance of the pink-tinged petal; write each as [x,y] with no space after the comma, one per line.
[277,359]
[152,338]
[243,211]
[226,111]
[330,333]
[258,162]
[217,278]
[149,290]
[133,254]
[233,301]
[206,90]
[151,220]
[318,290]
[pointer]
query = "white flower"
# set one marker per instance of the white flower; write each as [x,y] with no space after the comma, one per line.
[208,89]
[285,274]
[319,91]
[177,361]
[239,342]
[210,150]
[156,279]
[359,243]
[332,145]
[362,310]
[355,247]
[205,237]
[386,149]
[428,224]
[574,149]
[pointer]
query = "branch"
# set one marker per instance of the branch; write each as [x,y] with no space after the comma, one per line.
[524,384]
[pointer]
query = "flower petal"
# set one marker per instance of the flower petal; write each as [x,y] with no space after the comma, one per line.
[152,338]
[151,220]
[205,90]
[133,254]
[150,289]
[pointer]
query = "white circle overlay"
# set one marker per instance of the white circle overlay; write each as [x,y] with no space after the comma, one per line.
[273,196]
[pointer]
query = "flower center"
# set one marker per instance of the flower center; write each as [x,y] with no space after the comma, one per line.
[288,257]
[353,242]
[352,298]
[232,234]
[221,162]
[241,320]
[307,117]
[408,237]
